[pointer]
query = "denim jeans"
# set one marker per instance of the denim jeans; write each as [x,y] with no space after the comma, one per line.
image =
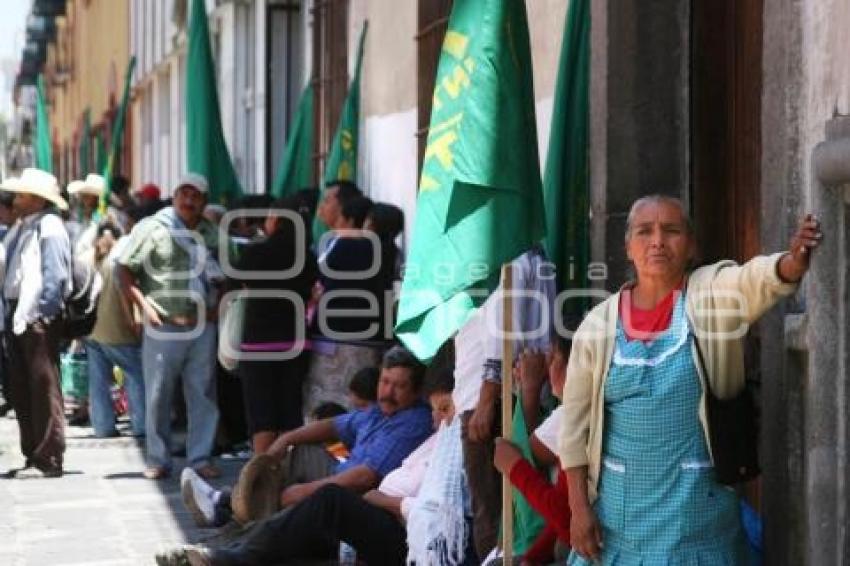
[101,359]
[169,352]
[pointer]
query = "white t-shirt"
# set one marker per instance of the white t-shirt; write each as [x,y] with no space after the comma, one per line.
[406,480]
[548,431]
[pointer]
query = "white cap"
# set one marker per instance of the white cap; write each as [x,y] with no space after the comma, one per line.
[195,180]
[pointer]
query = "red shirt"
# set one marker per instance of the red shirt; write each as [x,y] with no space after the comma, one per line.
[640,324]
[550,501]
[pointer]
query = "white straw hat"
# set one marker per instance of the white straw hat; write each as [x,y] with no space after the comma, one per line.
[39,183]
[94,185]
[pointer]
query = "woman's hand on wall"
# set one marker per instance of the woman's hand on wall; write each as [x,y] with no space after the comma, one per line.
[795,262]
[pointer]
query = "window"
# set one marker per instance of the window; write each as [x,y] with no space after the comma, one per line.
[433,21]
[330,72]
[284,77]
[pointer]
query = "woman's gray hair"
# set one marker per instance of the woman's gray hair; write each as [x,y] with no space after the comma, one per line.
[658,199]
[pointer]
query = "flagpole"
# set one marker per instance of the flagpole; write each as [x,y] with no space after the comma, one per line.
[507,410]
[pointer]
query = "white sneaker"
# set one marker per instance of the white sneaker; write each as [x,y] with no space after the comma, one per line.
[199,497]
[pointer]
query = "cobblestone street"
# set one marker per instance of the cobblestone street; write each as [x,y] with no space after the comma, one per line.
[102,512]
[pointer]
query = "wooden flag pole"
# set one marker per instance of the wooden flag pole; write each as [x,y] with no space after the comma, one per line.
[507,410]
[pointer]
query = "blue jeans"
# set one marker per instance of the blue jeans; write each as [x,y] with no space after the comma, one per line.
[101,359]
[165,359]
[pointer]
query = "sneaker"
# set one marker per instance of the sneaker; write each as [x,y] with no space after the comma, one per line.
[199,497]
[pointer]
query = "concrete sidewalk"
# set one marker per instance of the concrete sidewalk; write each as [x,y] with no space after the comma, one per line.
[102,512]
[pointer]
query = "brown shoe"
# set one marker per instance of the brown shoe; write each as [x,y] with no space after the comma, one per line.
[208,472]
[156,473]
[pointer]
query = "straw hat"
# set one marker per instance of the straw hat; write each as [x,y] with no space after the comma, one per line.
[39,183]
[94,185]
[257,493]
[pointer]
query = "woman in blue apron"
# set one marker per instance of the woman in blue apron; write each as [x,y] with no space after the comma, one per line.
[634,440]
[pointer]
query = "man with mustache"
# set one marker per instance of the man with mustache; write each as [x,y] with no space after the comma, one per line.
[379,438]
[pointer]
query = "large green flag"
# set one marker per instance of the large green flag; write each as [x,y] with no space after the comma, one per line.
[85,144]
[117,137]
[43,145]
[565,182]
[342,158]
[205,145]
[295,171]
[480,203]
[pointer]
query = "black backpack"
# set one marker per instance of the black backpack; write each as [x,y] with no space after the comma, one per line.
[79,313]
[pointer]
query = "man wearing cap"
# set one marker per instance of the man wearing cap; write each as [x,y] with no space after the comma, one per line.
[37,282]
[168,269]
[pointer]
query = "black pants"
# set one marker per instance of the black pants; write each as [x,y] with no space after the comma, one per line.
[312,530]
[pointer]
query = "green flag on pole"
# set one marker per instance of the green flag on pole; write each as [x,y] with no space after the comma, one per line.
[565,182]
[43,145]
[528,524]
[341,164]
[295,171]
[480,203]
[85,145]
[100,158]
[206,148]
[117,137]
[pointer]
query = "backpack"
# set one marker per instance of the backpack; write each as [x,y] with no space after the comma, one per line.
[80,312]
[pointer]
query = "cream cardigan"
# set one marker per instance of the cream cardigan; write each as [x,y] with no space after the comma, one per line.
[723,299]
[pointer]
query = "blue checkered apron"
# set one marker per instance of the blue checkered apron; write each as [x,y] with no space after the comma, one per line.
[658,501]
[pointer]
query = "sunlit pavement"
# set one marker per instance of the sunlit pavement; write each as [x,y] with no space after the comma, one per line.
[101,512]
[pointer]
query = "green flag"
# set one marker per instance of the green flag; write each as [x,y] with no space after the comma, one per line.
[480,203]
[528,524]
[100,158]
[565,182]
[206,148]
[43,145]
[117,137]
[85,145]
[342,158]
[295,171]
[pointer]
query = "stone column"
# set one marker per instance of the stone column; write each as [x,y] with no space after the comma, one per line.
[825,406]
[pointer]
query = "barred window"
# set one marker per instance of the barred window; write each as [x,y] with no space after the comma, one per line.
[330,72]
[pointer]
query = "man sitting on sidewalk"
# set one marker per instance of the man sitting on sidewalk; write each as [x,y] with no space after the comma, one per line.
[379,438]
[373,524]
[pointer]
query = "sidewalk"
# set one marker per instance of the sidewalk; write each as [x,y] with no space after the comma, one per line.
[102,512]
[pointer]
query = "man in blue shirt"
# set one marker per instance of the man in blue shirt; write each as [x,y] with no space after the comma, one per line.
[378,438]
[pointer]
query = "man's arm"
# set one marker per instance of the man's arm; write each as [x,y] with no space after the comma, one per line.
[386,502]
[133,294]
[312,433]
[480,428]
[358,479]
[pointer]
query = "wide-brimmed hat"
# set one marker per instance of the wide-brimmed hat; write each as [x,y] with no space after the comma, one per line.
[39,183]
[257,493]
[195,180]
[93,185]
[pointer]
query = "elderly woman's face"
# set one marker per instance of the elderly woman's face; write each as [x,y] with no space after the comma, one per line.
[659,243]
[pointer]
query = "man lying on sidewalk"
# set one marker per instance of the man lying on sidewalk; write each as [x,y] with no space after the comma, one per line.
[379,438]
[373,524]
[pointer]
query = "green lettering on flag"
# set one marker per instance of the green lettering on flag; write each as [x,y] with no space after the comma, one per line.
[116,137]
[565,182]
[295,171]
[205,145]
[43,144]
[480,203]
[341,164]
